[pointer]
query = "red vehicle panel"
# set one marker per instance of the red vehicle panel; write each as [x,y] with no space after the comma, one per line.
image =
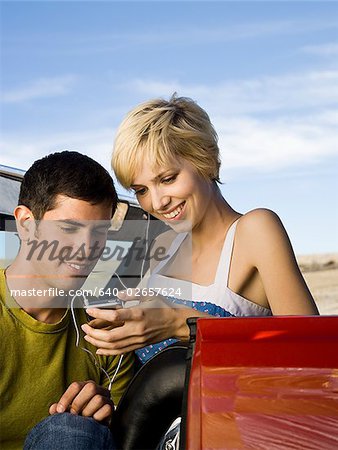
[264,383]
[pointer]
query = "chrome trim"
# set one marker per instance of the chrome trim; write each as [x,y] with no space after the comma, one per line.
[11,172]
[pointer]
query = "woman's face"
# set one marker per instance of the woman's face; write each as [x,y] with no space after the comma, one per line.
[175,193]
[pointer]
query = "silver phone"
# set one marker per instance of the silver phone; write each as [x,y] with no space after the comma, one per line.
[107,303]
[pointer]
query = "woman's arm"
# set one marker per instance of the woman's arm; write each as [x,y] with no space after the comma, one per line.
[152,321]
[269,250]
[118,331]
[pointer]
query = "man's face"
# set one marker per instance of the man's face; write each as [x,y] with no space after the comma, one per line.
[68,242]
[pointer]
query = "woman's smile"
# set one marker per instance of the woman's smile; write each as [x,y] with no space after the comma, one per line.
[175,213]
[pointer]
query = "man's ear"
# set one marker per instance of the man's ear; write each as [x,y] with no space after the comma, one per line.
[25,222]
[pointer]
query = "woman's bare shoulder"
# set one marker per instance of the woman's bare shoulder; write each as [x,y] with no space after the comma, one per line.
[259,217]
[261,229]
[260,223]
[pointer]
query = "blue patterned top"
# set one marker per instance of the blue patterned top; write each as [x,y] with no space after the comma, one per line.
[149,351]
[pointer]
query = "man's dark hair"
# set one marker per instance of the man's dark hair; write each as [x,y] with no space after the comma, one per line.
[65,173]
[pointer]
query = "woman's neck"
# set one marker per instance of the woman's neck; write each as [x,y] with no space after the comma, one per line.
[215,223]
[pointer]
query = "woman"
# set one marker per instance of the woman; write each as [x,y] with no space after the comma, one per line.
[222,263]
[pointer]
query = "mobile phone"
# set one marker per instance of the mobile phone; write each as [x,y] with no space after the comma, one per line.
[104,303]
[107,303]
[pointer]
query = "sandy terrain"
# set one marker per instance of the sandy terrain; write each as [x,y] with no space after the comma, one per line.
[321,275]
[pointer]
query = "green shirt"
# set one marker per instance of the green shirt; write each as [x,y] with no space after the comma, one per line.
[37,364]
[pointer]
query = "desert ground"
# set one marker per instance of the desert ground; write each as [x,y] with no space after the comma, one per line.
[321,275]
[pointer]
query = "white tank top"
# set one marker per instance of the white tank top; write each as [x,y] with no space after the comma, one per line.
[218,292]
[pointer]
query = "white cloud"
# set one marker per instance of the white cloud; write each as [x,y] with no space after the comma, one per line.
[293,92]
[95,143]
[41,88]
[184,34]
[328,49]
[268,123]
[276,144]
[248,143]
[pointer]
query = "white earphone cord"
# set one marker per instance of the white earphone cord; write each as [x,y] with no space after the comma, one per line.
[147,245]
[77,343]
[95,361]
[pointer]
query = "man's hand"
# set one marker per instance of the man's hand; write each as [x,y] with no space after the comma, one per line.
[87,399]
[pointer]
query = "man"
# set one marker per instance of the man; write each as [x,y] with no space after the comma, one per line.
[66,202]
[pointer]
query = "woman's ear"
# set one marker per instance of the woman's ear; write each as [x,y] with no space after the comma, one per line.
[25,222]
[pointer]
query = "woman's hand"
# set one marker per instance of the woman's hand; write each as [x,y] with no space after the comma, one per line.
[153,320]
[87,399]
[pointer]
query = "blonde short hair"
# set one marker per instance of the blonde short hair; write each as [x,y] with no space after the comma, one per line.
[160,131]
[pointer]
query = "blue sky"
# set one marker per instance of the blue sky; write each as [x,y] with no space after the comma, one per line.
[266,72]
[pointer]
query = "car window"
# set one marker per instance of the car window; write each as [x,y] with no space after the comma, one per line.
[9,195]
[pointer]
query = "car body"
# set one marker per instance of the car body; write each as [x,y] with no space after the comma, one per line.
[262,383]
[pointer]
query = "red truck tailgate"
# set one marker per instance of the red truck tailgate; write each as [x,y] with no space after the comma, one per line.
[264,384]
